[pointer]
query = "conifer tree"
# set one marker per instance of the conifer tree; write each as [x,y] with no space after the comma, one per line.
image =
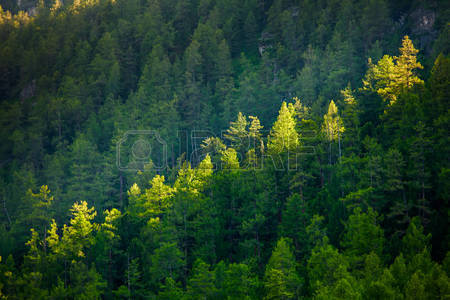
[419,171]
[415,241]
[295,219]
[254,132]
[326,266]
[363,236]
[170,290]
[229,159]
[280,278]
[166,262]
[406,64]
[43,211]
[392,76]
[283,135]
[350,117]
[76,237]
[333,127]
[201,283]
[156,200]
[238,134]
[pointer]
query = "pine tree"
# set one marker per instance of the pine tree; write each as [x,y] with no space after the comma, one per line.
[333,127]
[283,135]
[213,147]
[326,266]
[393,179]
[77,237]
[406,63]
[201,283]
[419,173]
[170,290]
[56,6]
[415,288]
[85,283]
[280,278]
[237,282]
[415,241]
[363,235]
[42,210]
[238,134]
[251,33]
[156,200]
[166,262]
[392,76]
[229,159]
[439,83]
[350,118]
[295,219]
[108,237]
[133,287]
[254,132]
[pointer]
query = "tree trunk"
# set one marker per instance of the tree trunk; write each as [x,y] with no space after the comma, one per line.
[121,190]
[6,210]
[340,153]
[128,276]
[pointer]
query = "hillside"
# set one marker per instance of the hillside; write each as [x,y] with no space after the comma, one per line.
[224,149]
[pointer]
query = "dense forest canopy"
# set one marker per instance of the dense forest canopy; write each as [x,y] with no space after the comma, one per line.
[224,149]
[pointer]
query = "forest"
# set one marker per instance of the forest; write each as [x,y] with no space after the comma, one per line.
[224,149]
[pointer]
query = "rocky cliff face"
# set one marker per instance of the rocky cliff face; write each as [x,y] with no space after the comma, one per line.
[422,23]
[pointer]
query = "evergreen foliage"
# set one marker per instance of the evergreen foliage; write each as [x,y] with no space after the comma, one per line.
[115,182]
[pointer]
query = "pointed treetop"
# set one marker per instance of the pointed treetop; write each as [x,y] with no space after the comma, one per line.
[347,94]
[283,135]
[237,130]
[300,111]
[391,76]
[332,126]
[134,190]
[255,127]
[332,109]
[205,168]
[109,226]
[406,63]
[44,198]
[229,159]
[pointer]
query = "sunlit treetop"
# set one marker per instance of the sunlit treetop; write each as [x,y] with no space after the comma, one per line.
[283,135]
[332,126]
[392,76]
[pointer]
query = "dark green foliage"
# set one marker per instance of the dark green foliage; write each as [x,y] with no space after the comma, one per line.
[331,179]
